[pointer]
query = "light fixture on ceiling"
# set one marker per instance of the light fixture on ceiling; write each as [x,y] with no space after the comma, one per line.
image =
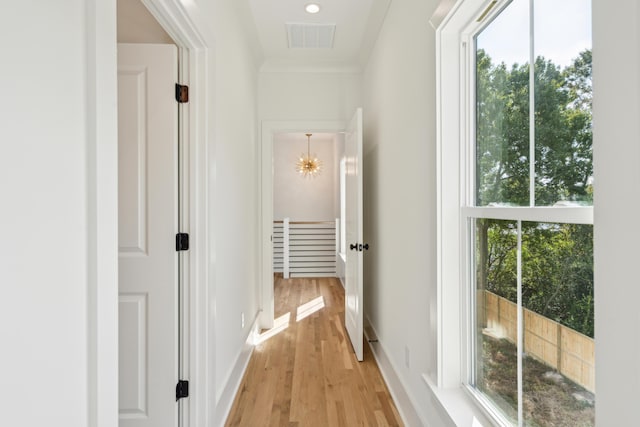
[312,8]
[306,165]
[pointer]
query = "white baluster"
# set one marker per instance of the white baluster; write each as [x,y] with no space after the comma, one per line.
[285,248]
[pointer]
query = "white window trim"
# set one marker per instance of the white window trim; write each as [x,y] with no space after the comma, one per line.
[455,399]
[455,26]
[452,123]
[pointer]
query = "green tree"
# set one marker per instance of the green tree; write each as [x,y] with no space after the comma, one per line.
[563,136]
[558,273]
[502,132]
[558,258]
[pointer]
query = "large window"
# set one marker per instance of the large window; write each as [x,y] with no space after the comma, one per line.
[528,213]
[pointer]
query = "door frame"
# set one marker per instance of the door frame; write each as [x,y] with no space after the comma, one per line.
[192,50]
[268,131]
[102,213]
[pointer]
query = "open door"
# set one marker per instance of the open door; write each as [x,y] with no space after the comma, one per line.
[353,271]
[148,223]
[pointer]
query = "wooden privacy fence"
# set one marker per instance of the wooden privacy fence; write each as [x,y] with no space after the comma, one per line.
[304,248]
[569,352]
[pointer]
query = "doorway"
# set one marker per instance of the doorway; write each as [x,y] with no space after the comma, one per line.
[307,208]
[149,280]
[354,279]
[158,22]
[268,134]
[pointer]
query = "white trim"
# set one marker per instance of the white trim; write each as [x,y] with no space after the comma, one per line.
[404,403]
[452,53]
[200,328]
[184,258]
[285,248]
[520,327]
[532,112]
[196,330]
[457,406]
[441,12]
[102,214]
[268,130]
[176,21]
[556,214]
[226,396]
[448,194]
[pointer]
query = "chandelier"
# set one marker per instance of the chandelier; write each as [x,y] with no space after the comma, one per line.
[306,165]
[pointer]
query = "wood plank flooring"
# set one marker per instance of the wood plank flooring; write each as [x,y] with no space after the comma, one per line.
[305,373]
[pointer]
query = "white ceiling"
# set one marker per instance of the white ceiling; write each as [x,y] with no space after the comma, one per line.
[357,25]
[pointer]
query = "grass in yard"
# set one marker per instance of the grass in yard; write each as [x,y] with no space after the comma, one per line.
[549,399]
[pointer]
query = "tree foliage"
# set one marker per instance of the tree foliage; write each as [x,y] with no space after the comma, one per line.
[557,258]
[562,129]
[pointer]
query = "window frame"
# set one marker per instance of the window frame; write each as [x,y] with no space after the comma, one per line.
[455,109]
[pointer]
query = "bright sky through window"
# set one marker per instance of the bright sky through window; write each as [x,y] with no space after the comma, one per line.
[560,40]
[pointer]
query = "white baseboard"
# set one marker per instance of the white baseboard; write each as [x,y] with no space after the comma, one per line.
[232,385]
[401,398]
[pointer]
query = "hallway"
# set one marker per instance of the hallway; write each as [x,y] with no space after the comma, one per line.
[304,372]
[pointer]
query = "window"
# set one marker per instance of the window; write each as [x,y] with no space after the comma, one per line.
[527,207]
[515,214]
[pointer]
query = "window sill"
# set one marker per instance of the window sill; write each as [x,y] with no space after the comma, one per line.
[458,406]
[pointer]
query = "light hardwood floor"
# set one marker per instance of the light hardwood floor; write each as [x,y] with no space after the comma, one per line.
[307,374]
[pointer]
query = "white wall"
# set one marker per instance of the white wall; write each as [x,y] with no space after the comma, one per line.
[232,195]
[58,313]
[304,198]
[616,91]
[400,199]
[53,260]
[309,95]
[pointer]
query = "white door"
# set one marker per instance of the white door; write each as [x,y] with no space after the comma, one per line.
[353,274]
[148,223]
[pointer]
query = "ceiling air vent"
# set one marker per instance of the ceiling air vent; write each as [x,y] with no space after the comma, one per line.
[310,36]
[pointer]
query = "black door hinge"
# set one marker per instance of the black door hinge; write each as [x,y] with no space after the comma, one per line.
[182,242]
[182,389]
[182,93]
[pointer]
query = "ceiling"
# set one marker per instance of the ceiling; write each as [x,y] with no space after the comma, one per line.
[357,23]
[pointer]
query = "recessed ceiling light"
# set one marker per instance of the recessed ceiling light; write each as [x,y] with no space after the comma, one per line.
[312,8]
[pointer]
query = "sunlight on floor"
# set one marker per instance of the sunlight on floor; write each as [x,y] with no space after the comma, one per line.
[282,322]
[309,308]
[279,325]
